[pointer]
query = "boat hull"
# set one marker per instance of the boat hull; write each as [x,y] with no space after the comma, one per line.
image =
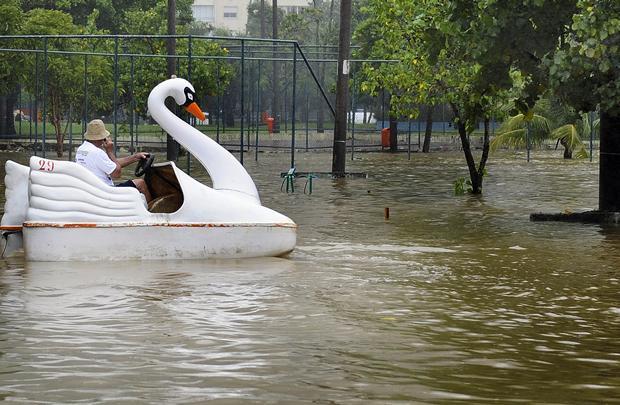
[129,241]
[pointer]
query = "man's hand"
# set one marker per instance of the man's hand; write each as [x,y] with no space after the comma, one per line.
[108,145]
[141,155]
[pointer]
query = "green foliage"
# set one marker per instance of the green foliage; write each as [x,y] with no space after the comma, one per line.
[254,16]
[110,14]
[65,71]
[10,62]
[462,185]
[585,69]
[148,72]
[513,133]
[315,24]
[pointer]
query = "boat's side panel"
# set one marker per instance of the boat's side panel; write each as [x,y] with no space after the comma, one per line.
[15,208]
[85,243]
[16,194]
[68,192]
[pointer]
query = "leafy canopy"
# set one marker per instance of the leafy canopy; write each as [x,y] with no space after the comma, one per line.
[586,71]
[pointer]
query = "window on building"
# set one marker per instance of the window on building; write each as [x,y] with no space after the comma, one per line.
[204,13]
[230,11]
[292,9]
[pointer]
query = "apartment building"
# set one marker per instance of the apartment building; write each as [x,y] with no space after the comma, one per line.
[233,14]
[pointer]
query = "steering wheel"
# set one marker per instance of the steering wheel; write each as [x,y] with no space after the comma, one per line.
[144,165]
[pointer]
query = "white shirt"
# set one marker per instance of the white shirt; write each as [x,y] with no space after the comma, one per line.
[96,160]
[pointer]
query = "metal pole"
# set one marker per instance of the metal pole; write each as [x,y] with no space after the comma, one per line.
[219,108]
[409,141]
[241,146]
[250,110]
[443,118]
[189,78]
[284,99]
[527,139]
[420,127]
[21,108]
[307,115]
[353,110]
[44,91]
[132,105]
[36,103]
[70,131]
[115,99]
[293,109]
[258,100]
[30,121]
[382,108]
[591,133]
[85,116]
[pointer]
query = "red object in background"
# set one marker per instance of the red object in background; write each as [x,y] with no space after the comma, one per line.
[385,138]
[270,122]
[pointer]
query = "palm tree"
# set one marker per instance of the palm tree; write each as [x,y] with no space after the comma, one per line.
[514,133]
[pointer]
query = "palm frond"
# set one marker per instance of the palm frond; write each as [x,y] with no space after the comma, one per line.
[570,135]
[513,132]
[511,139]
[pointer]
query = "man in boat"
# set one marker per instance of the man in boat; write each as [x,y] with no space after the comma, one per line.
[97,155]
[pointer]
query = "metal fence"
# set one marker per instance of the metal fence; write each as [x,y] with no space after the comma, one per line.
[262,94]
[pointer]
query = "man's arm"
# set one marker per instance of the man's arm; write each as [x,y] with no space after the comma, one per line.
[108,146]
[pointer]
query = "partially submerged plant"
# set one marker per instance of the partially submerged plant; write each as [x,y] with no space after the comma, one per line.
[514,133]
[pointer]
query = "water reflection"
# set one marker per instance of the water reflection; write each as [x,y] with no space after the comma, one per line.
[451,299]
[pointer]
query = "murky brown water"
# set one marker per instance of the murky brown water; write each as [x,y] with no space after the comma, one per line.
[453,298]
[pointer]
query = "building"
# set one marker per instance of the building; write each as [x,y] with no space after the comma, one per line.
[233,14]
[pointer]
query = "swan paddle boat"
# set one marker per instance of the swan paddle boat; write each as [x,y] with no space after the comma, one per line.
[60,211]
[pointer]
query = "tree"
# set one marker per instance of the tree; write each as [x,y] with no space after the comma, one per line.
[10,63]
[463,53]
[585,73]
[63,70]
[152,70]
[111,13]
[436,66]
[524,131]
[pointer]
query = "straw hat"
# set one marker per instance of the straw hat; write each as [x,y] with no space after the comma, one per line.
[95,131]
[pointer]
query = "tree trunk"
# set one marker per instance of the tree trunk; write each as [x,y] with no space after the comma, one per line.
[7,120]
[568,152]
[426,147]
[609,183]
[55,120]
[60,136]
[393,134]
[475,175]
[485,153]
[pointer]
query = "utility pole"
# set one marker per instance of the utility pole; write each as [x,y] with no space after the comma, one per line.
[342,90]
[275,100]
[172,146]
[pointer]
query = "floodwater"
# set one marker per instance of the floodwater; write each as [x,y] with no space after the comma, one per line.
[453,299]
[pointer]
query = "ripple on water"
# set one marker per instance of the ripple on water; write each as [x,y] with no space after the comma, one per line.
[452,299]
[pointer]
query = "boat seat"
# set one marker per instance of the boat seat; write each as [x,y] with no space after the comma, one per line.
[166,203]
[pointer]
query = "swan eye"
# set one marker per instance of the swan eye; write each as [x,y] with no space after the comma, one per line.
[189,96]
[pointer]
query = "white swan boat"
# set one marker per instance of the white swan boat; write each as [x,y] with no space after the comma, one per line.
[60,211]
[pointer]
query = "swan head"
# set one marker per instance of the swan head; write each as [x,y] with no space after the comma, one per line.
[184,95]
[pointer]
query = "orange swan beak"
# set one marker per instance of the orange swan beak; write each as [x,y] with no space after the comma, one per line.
[195,111]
